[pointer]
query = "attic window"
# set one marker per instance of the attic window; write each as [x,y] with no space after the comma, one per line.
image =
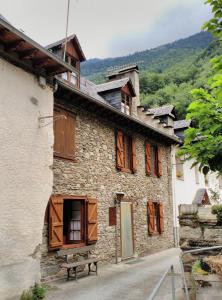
[126,104]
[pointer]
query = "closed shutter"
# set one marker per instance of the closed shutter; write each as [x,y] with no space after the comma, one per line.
[134,161]
[92,221]
[56,222]
[59,132]
[148,159]
[119,150]
[70,136]
[159,163]
[151,217]
[161,218]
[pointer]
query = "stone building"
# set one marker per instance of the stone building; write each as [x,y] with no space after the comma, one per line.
[112,182]
[26,98]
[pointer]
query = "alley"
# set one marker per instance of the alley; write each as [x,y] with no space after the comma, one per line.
[133,280]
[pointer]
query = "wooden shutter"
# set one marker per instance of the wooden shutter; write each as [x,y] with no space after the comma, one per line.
[134,161]
[56,222]
[59,132]
[92,221]
[119,150]
[159,162]
[70,136]
[161,219]
[148,159]
[151,217]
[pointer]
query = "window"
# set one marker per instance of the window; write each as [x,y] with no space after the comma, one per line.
[64,134]
[125,152]
[126,104]
[197,178]
[73,221]
[155,217]
[153,160]
[72,77]
[179,168]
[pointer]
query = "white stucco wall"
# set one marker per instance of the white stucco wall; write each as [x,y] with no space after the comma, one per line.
[184,190]
[26,176]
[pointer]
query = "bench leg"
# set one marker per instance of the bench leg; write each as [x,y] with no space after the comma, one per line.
[75,273]
[95,264]
[68,274]
[89,265]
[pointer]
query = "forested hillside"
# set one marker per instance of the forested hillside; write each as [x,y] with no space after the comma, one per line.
[167,73]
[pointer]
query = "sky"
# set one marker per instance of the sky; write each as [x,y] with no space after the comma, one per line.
[108,28]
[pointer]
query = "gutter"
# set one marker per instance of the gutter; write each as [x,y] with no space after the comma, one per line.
[172,139]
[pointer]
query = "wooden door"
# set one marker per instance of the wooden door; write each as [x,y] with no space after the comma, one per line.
[126,230]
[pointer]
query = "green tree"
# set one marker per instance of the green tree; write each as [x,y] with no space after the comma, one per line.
[204,142]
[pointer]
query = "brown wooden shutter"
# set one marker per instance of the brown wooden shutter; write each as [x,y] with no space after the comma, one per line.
[59,132]
[159,163]
[161,219]
[134,161]
[70,136]
[119,150]
[151,217]
[92,221]
[56,222]
[148,159]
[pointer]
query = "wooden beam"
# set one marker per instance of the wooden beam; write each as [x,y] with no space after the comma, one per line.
[42,62]
[14,46]
[28,54]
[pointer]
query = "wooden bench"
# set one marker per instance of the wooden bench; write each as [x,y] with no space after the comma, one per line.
[72,266]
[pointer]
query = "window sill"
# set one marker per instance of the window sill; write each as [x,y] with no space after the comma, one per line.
[74,160]
[154,234]
[126,170]
[70,246]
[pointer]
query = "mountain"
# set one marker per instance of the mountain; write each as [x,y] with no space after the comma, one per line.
[167,73]
[157,59]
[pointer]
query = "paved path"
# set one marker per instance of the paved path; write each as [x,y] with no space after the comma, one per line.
[134,280]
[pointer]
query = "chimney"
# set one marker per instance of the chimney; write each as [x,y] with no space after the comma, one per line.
[128,71]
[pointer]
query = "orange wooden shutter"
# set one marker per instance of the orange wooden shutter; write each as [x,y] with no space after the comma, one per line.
[119,150]
[56,222]
[134,161]
[159,163]
[69,136]
[59,132]
[161,219]
[92,221]
[151,217]
[148,159]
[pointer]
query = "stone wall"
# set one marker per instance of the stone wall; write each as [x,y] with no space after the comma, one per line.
[94,174]
[198,227]
[26,177]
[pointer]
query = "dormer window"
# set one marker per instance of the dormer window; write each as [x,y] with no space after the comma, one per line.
[126,102]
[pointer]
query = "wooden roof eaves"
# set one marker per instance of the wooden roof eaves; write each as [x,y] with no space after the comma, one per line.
[165,138]
[26,63]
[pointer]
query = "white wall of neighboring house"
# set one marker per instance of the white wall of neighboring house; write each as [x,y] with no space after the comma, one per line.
[186,186]
[26,176]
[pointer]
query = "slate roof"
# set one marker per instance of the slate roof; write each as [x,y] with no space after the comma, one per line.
[115,84]
[90,88]
[69,38]
[122,69]
[163,111]
[182,124]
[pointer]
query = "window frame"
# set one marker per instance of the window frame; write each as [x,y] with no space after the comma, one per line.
[154,163]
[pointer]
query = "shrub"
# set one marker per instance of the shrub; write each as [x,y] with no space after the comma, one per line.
[196,268]
[36,292]
[217,210]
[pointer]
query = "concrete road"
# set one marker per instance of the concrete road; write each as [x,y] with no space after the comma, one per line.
[132,280]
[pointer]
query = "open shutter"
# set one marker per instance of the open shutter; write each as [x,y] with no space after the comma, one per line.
[59,132]
[92,221]
[148,159]
[151,217]
[134,161]
[70,136]
[161,219]
[56,222]
[159,163]
[119,150]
